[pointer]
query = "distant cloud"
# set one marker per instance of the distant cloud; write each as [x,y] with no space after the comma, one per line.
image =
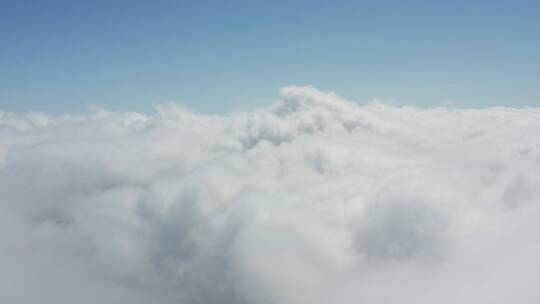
[312,200]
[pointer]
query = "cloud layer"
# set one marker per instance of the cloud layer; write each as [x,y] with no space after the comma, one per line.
[312,200]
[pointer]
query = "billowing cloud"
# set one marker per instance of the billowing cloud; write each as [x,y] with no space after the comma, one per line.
[312,200]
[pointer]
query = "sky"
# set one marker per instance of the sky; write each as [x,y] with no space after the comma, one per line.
[221,56]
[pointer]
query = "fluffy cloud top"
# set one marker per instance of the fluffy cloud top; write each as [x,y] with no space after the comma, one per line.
[312,200]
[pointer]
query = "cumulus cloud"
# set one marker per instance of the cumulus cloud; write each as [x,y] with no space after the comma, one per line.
[314,199]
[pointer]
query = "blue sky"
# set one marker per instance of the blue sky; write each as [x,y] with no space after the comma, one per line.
[214,56]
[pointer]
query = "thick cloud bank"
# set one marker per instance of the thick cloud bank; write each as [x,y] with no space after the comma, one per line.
[312,200]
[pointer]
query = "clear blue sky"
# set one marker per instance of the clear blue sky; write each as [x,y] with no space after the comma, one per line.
[62,56]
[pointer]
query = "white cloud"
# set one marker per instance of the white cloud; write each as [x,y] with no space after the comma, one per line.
[312,200]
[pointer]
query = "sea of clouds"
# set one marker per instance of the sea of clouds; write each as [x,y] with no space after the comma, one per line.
[314,199]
